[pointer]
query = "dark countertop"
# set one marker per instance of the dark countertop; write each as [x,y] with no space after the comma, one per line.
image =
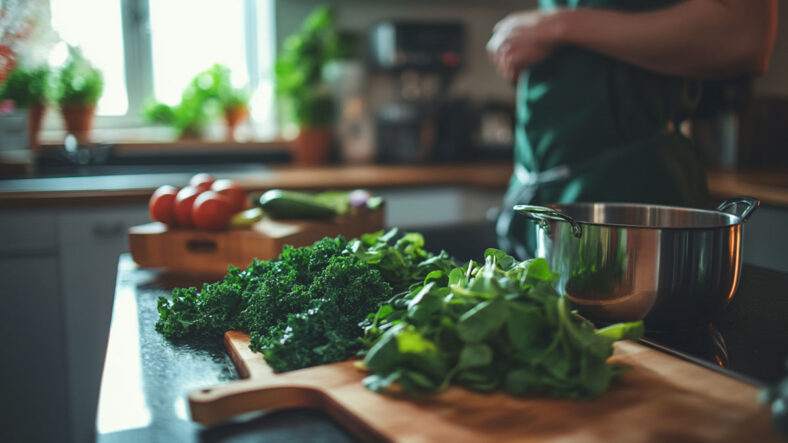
[146,378]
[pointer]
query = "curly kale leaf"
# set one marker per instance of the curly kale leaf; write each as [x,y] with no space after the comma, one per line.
[301,309]
[318,323]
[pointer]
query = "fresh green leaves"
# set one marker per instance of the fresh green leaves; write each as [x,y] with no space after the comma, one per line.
[78,82]
[206,96]
[298,69]
[27,86]
[498,325]
[402,261]
[305,307]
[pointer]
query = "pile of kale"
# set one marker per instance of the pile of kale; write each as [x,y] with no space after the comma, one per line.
[305,307]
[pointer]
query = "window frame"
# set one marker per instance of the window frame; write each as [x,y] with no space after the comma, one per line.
[138,62]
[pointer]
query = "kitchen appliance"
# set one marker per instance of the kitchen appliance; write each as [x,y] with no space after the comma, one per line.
[690,401]
[420,46]
[493,131]
[672,267]
[417,122]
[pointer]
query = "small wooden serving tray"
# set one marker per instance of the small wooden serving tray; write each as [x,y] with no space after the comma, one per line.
[155,245]
[662,398]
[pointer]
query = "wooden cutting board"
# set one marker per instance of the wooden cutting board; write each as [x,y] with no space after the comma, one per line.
[154,245]
[662,398]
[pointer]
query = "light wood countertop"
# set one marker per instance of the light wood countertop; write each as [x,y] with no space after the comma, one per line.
[771,187]
[114,189]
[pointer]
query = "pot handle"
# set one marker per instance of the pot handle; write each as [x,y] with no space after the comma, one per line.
[750,203]
[541,214]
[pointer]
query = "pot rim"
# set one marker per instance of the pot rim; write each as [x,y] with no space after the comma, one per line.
[735,219]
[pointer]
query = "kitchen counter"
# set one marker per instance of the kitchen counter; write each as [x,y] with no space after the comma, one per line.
[136,188]
[97,186]
[146,378]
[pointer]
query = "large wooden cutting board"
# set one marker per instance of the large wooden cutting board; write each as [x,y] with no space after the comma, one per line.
[154,245]
[661,398]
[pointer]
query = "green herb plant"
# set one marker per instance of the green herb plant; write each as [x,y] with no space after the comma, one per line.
[205,97]
[27,86]
[497,325]
[78,82]
[298,70]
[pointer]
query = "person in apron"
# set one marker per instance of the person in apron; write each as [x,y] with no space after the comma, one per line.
[601,88]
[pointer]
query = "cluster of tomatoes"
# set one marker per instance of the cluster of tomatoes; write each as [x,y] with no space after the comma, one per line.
[206,203]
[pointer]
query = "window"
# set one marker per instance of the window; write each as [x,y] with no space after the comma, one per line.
[214,34]
[106,52]
[152,48]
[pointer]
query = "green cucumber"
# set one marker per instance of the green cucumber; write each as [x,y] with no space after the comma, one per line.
[290,204]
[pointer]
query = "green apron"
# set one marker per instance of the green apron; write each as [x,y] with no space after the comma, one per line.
[590,128]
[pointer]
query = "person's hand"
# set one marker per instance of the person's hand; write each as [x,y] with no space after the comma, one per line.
[522,40]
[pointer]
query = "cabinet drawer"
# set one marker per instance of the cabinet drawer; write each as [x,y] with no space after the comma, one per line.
[96,226]
[27,232]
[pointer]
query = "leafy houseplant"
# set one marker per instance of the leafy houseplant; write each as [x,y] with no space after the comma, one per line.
[209,93]
[300,86]
[28,88]
[78,88]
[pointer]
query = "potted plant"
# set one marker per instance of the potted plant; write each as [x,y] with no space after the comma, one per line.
[28,88]
[235,106]
[78,88]
[207,95]
[300,85]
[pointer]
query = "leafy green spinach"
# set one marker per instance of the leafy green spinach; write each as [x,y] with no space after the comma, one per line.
[497,325]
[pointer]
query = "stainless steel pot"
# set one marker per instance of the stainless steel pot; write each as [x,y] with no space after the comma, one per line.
[672,267]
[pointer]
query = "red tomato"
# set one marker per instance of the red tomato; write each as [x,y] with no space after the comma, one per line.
[184,202]
[232,192]
[202,181]
[161,206]
[211,211]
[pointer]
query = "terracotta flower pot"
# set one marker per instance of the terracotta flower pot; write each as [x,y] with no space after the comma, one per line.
[233,117]
[35,114]
[79,121]
[312,146]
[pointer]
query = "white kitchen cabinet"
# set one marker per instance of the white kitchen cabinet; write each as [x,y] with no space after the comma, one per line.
[57,281]
[89,243]
[34,390]
[33,369]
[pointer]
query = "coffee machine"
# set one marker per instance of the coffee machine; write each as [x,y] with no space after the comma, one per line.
[417,122]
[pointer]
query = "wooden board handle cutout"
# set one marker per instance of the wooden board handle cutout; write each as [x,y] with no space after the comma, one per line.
[218,404]
[201,246]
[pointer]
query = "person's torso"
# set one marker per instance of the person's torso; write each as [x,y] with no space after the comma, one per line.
[577,104]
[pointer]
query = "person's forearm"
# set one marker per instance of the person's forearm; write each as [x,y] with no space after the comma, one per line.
[695,38]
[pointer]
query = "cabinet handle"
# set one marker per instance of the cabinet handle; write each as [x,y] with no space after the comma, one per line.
[108,230]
